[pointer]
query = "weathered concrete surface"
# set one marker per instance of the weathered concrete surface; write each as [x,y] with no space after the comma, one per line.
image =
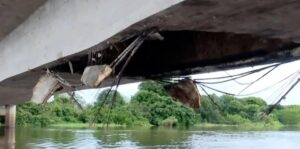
[10,116]
[208,35]
[44,88]
[14,12]
[2,111]
[199,36]
[268,18]
[186,92]
[187,52]
[60,28]
[94,75]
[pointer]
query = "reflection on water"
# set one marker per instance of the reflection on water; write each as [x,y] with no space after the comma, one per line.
[7,138]
[146,138]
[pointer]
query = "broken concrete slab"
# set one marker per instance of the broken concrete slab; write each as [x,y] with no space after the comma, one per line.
[94,75]
[186,92]
[46,85]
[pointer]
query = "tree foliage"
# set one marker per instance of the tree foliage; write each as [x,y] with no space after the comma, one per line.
[60,110]
[152,104]
[107,97]
[289,115]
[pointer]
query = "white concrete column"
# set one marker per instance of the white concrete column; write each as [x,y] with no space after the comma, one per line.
[10,116]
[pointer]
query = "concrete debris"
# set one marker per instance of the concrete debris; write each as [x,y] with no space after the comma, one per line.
[296,52]
[94,75]
[45,87]
[155,36]
[71,67]
[186,92]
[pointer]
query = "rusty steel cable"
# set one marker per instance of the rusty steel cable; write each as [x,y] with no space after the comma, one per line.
[211,99]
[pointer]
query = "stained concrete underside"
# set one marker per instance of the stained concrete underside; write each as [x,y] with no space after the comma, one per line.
[14,12]
[199,36]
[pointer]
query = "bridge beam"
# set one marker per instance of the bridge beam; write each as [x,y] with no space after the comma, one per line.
[62,28]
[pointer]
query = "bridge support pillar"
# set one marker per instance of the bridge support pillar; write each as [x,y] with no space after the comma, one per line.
[10,116]
[9,138]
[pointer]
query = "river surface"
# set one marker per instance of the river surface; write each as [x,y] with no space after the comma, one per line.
[31,138]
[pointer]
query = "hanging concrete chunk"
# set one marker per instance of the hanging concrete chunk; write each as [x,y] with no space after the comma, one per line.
[46,85]
[186,92]
[94,75]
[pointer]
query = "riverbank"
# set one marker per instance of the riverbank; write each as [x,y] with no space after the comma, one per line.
[246,126]
[203,126]
[88,125]
[84,125]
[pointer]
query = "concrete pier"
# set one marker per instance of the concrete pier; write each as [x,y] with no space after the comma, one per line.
[10,116]
[8,141]
[9,138]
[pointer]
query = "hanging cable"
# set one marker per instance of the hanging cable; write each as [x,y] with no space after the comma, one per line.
[72,96]
[270,86]
[281,90]
[125,52]
[211,99]
[119,76]
[265,74]
[272,107]
[249,94]
[235,80]
[248,72]
[215,89]
[132,50]
[223,81]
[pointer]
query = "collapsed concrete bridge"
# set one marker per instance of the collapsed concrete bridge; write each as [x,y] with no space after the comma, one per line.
[198,36]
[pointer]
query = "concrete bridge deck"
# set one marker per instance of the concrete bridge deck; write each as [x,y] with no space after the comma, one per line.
[199,36]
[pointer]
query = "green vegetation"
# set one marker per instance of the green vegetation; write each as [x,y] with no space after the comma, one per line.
[153,103]
[289,115]
[152,106]
[59,111]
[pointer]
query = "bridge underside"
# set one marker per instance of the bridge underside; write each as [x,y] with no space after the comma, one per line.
[199,36]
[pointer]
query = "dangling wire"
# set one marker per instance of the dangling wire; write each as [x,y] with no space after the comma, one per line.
[235,80]
[281,90]
[72,96]
[272,107]
[211,99]
[119,76]
[131,50]
[265,74]
[240,74]
[252,93]
[223,81]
